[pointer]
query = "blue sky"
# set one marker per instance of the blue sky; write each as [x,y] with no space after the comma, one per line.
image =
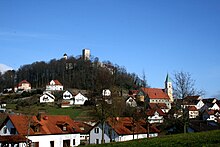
[154,36]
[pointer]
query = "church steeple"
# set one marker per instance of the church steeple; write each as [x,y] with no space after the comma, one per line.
[169,87]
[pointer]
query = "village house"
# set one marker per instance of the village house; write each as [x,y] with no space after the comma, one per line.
[42,130]
[68,99]
[47,97]
[54,85]
[193,112]
[22,86]
[155,116]
[120,129]
[80,99]
[130,101]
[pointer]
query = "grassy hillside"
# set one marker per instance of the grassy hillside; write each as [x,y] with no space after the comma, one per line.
[203,139]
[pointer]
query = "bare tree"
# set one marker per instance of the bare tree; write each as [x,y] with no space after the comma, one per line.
[184,85]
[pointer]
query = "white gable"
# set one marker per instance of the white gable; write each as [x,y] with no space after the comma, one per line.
[67,95]
[200,104]
[131,102]
[106,92]
[47,98]
[215,107]
[80,99]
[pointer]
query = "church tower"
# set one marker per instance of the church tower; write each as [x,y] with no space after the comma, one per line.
[169,87]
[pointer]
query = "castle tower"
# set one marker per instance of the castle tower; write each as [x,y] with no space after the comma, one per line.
[86,54]
[65,56]
[169,87]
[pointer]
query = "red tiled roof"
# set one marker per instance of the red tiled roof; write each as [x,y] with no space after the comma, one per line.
[23,82]
[155,93]
[158,105]
[47,123]
[124,125]
[56,82]
[152,111]
[13,139]
[192,108]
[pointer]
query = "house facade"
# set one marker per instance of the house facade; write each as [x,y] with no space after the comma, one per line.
[155,116]
[130,102]
[23,86]
[47,97]
[43,130]
[121,129]
[54,85]
[80,99]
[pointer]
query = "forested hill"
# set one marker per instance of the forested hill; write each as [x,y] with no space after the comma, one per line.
[72,73]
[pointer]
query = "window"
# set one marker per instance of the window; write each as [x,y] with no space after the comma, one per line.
[64,128]
[51,143]
[13,131]
[66,143]
[5,130]
[74,141]
[97,141]
[35,144]
[96,130]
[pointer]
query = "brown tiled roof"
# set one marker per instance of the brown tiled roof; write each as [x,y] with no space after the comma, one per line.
[133,92]
[155,93]
[192,108]
[13,139]
[85,128]
[56,82]
[196,97]
[157,105]
[125,125]
[151,112]
[48,124]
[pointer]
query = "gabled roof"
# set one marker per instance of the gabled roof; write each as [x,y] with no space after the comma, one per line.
[85,128]
[48,124]
[23,82]
[192,108]
[13,139]
[195,97]
[124,125]
[56,82]
[151,112]
[155,93]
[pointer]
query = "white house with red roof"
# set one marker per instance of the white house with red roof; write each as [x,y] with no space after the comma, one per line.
[47,97]
[23,86]
[43,130]
[193,112]
[118,129]
[155,116]
[54,85]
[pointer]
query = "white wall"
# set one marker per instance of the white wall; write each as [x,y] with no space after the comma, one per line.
[44,140]
[80,99]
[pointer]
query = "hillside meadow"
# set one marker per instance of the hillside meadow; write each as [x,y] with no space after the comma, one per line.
[202,139]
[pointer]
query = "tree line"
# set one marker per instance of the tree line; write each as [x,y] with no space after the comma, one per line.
[73,73]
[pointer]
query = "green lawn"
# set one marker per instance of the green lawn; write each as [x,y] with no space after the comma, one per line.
[203,139]
[76,113]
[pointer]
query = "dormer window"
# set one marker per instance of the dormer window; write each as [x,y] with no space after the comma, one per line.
[36,127]
[62,125]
